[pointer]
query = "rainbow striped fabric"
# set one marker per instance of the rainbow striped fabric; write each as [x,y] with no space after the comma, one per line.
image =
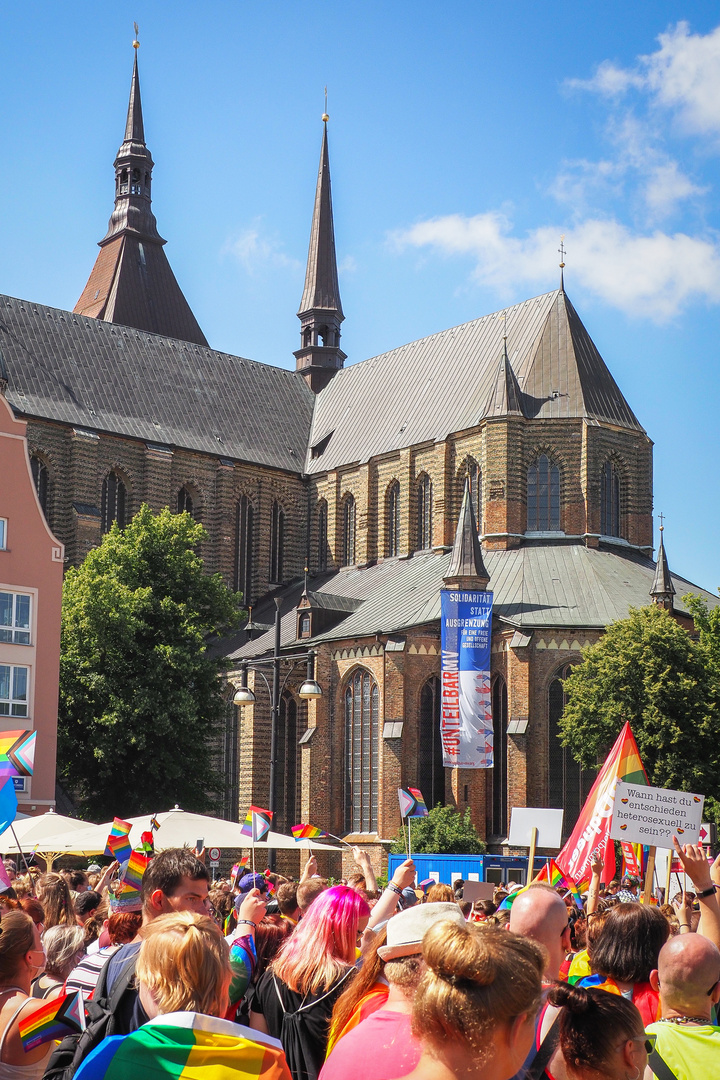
[119,829]
[187,1046]
[412,803]
[257,823]
[54,1020]
[17,752]
[119,847]
[553,875]
[306,832]
[136,867]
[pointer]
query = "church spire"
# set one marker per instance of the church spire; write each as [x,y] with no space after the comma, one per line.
[320,312]
[662,590]
[466,569]
[132,282]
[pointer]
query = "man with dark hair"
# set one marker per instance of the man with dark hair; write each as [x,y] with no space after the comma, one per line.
[78,881]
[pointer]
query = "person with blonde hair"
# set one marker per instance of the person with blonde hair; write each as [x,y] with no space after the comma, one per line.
[63,945]
[183,975]
[53,892]
[475,1007]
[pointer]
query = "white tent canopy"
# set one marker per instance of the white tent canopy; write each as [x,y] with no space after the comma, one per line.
[33,833]
[177,829]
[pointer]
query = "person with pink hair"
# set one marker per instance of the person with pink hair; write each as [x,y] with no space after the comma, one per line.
[295,997]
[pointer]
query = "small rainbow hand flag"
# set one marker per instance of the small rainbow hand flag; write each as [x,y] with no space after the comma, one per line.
[119,828]
[53,1020]
[554,876]
[257,823]
[154,823]
[307,832]
[119,847]
[136,867]
[17,752]
[412,803]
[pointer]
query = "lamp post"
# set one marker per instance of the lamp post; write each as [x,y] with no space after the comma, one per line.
[244,696]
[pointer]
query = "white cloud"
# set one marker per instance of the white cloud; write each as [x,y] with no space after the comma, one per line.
[653,275]
[256,251]
[347,265]
[666,186]
[683,75]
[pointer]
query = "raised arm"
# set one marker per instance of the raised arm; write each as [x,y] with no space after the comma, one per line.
[697,868]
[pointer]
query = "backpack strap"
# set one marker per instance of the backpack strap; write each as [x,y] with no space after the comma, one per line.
[277,991]
[546,1050]
[124,980]
[660,1067]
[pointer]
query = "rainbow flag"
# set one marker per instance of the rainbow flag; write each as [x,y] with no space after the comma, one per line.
[53,1020]
[136,867]
[307,832]
[412,803]
[188,1046]
[257,823]
[553,875]
[17,752]
[592,830]
[119,828]
[119,847]
[154,823]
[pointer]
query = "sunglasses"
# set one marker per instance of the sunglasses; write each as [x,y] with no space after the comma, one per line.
[649,1039]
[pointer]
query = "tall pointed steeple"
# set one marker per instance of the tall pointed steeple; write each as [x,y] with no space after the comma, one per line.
[320,312]
[663,590]
[466,569]
[132,282]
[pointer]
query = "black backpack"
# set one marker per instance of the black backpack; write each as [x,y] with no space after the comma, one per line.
[102,1021]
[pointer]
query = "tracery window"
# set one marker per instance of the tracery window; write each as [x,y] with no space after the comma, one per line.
[498,773]
[474,475]
[362,708]
[41,479]
[322,559]
[185,503]
[349,532]
[277,543]
[286,766]
[114,501]
[568,782]
[430,771]
[244,548]
[609,500]
[392,519]
[424,513]
[543,496]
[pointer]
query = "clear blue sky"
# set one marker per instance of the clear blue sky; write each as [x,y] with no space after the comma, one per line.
[464,139]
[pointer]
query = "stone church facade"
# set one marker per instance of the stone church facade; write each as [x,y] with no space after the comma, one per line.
[336,492]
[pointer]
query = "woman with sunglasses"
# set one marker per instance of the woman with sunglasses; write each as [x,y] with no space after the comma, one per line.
[600,1035]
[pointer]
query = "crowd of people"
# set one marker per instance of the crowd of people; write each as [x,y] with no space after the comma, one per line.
[315,980]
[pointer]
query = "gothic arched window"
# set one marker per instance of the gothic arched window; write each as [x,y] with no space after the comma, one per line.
[392,519]
[185,503]
[277,543]
[609,500]
[543,496]
[244,548]
[568,782]
[430,771]
[114,501]
[362,709]
[349,532]
[474,475]
[424,513]
[41,479]
[499,777]
[322,559]
[286,766]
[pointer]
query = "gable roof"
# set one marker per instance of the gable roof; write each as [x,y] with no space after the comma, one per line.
[423,391]
[115,379]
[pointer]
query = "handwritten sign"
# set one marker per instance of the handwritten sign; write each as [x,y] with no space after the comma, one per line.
[646,815]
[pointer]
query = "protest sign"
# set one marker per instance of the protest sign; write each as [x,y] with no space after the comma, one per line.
[645,815]
[466,724]
[524,819]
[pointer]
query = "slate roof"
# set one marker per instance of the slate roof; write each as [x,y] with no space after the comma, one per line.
[444,383]
[115,379]
[538,586]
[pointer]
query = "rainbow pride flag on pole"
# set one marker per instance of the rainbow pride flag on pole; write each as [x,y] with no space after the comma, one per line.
[17,752]
[592,831]
[54,1020]
[136,867]
[412,803]
[257,823]
[187,1046]
[553,875]
[119,829]
[307,832]
[119,847]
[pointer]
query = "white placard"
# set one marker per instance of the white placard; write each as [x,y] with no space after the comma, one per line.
[547,822]
[646,815]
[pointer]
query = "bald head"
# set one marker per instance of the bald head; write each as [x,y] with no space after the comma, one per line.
[540,914]
[688,967]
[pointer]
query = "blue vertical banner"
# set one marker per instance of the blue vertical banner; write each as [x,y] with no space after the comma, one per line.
[466,726]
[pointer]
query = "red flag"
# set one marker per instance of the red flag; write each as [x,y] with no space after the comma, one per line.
[592,831]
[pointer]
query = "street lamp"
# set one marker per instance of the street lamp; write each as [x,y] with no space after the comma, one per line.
[309,690]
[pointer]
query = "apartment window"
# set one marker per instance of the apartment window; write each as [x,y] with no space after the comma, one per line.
[15,618]
[13,690]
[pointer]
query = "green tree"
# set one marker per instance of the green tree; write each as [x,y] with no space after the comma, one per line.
[140,696]
[648,670]
[444,830]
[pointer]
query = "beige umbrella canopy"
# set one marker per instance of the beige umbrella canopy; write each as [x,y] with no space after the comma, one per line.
[33,833]
[177,829]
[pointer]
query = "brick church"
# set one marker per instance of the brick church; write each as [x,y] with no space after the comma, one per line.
[336,495]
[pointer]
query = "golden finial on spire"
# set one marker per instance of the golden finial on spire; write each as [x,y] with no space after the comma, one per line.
[325,114]
[561,251]
[136,43]
[662,519]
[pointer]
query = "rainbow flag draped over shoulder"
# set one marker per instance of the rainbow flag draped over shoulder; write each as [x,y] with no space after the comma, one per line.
[187,1046]
[54,1020]
[307,832]
[592,831]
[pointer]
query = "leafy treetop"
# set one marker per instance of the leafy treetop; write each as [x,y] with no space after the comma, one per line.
[444,831]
